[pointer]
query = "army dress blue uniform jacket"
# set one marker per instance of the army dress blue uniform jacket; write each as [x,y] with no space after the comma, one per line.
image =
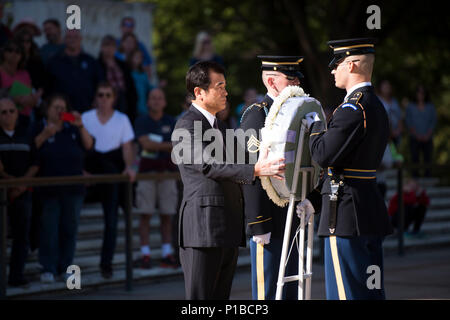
[261,214]
[352,147]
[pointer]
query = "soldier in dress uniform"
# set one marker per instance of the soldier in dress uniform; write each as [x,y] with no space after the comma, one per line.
[265,220]
[354,219]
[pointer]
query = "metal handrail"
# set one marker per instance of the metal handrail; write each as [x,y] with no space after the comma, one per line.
[70,180]
[85,179]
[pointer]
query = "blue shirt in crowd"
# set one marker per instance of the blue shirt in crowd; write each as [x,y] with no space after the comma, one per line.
[158,131]
[61,155]
[394,112]
[49,50]
[421,120]
[143,87]
[146,58]
[76,77]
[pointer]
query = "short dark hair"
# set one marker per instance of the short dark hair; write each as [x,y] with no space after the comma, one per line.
[109,39]
[198,75]
[14,44]
[106,85]
[49,101]
[426,94]
[54,22]
[127,18]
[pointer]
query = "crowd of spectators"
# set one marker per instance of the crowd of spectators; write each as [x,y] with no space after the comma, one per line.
[64,112]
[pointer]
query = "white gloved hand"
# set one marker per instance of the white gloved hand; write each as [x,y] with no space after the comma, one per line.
[311,118]
[305,207]
[262,238]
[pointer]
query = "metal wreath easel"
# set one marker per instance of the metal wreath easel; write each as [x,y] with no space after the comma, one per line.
[304,274]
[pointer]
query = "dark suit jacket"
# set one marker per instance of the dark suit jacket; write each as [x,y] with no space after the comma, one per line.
[211,212]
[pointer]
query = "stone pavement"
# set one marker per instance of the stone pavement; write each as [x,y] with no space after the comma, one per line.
[417,275]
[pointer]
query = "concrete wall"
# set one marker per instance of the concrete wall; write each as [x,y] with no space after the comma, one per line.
[98,18]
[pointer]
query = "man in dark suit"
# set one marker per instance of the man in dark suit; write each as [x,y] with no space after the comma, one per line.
[211,218]
[354,218]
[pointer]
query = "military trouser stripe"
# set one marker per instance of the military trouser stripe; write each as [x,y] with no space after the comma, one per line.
[337,268]
[260,271]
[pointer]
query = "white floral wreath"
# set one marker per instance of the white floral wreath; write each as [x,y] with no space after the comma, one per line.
[288,92]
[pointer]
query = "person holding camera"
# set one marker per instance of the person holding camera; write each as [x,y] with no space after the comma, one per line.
[61,141]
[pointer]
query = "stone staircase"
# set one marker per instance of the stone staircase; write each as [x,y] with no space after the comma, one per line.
[436,228]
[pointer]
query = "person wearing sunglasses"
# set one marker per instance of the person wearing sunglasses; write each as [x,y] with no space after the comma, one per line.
[16,80]
[17,159]
[113,154]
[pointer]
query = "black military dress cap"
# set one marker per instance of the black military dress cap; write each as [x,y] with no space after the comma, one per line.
[350,47]
[288,65]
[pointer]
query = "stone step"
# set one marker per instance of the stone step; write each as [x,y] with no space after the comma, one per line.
[436,203]
[92,278]
[90,263]
[436,215]
[89,241]
[89,249]
[439,211]
[433,192]
[93,246]
[94,229]
[424,182]
[439,203]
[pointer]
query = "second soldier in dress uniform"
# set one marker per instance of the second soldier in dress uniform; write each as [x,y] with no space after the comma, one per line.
[354,219]
[265,220]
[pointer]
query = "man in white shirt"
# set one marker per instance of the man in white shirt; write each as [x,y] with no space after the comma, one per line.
[113,153]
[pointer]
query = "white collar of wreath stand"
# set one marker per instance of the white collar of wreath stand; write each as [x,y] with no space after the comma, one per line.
[288,92]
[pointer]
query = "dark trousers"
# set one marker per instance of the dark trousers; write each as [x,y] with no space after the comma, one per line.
[110,205]
[413,215]
[417,148]
[354,268]
[19,212]
[59,227]
[208,272]
[110,196]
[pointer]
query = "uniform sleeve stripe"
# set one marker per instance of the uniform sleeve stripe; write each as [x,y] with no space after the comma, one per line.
[260,221]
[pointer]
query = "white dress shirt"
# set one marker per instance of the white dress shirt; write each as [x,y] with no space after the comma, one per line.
[356,86]
[209,116]
[270,96]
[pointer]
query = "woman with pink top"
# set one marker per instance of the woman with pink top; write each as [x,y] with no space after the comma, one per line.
[16,81]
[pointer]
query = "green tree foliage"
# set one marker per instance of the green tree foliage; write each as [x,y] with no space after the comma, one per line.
[413,46]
